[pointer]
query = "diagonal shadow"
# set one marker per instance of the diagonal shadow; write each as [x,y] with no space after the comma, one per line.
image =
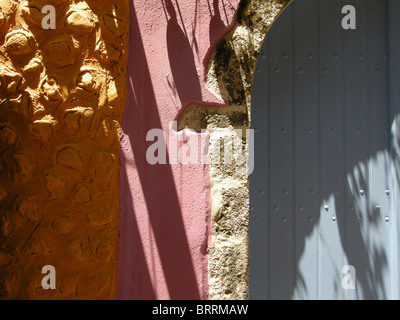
[157,182]
[136,260]
[181,59]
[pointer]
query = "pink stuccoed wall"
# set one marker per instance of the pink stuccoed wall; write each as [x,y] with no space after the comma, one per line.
[165,208]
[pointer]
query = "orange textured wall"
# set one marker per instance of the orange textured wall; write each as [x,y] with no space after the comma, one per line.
[61,99]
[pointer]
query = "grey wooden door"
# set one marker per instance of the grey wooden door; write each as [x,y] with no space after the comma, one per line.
[324,189]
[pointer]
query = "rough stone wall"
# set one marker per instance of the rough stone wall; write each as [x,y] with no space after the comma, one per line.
[61,99]
[231,71]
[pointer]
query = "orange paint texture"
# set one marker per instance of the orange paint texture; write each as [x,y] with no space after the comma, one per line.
[61,99]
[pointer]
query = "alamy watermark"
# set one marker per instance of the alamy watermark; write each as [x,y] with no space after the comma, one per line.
[49,21]
[219,146]
[49,280]
[349,279]
[349,20]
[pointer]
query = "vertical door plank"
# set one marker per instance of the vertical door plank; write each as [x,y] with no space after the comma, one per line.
[305,179]
[379,160]
[394,94]
[356,104]
[259,215]
[332,153]
[281,144]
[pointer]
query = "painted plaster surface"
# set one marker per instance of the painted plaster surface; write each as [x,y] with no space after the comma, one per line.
[165,208]
[61,99]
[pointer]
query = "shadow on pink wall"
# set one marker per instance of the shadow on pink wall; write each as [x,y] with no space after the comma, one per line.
[164,209]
